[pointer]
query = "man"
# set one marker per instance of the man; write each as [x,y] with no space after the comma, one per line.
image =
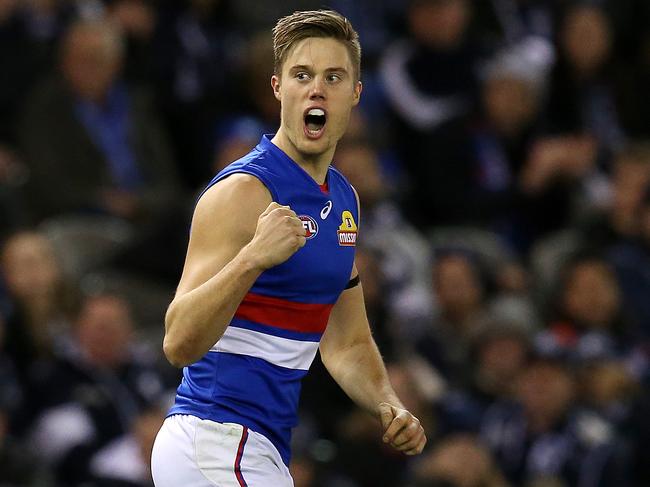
[270,274]
[93,142]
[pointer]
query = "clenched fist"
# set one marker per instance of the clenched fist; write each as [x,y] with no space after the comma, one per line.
[279,234]
[402,430]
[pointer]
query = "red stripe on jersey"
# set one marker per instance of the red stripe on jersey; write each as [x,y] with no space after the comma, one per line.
[288,315]
[240,452]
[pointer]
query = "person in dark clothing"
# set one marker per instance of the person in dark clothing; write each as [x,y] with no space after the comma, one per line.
[91,142]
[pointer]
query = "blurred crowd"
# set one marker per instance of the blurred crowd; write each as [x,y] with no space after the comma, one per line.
[502,155]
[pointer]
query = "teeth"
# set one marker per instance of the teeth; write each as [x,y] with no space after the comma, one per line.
[316,111]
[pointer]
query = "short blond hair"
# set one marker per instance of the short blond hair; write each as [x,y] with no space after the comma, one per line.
[314,23]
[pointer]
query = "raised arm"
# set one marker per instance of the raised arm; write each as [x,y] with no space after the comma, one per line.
[237,233]
[351,356]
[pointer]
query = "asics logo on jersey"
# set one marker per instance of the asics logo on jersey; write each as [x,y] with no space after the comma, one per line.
[326,210]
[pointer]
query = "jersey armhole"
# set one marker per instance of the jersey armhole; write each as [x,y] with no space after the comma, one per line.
[258,174]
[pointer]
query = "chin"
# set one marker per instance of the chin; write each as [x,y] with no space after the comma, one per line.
[314,147]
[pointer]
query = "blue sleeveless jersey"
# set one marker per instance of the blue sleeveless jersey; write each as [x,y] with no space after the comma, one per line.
[252,375]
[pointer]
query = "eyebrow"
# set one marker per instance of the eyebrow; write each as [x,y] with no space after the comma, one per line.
[309,68]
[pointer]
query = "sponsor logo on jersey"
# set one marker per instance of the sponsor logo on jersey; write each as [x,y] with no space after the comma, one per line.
[347,232]
[311,227]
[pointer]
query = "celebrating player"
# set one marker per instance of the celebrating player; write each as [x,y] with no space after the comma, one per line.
[269,279]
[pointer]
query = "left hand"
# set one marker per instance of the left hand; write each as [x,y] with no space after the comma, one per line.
[402,430]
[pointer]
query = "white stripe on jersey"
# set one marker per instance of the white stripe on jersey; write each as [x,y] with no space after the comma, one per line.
[291,354]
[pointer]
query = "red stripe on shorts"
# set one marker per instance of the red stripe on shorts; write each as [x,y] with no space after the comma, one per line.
[240,453]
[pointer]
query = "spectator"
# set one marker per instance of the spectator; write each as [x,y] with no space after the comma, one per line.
[430,79]
[41,302]
[499,353]
[583,98]
[92,142]
[591,321]
[499,144]
[461,295]
[543,435]
[93,392]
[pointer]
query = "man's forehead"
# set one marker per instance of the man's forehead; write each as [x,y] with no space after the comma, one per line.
[320,52]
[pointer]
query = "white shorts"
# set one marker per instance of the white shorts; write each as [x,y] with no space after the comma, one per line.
[193,452]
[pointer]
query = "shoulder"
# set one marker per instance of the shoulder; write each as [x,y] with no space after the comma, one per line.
[238,195]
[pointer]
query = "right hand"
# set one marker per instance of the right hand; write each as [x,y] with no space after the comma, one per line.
[279,235]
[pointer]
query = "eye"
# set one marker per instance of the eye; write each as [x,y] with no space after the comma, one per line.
[333,78]
[301,76]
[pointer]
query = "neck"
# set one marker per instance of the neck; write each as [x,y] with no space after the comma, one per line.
[315,165]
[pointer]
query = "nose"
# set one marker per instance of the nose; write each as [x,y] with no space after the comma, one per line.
[317,89]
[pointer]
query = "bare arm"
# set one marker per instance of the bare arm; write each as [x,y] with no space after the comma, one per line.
[237,233]
[351,356]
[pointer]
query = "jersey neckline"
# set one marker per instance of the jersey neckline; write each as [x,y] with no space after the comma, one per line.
[268,145]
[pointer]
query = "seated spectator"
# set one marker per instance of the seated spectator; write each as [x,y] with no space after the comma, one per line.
[499,353]
[93,143]
[40,301]
[582,95]
[93,392]
[591,320]
[437,43]
[542,435]
[498,143]
[430,79]
[460,291]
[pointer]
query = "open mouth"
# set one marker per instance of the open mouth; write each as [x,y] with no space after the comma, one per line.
[315,119]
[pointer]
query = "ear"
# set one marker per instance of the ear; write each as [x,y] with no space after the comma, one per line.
[358,87]
[275,84]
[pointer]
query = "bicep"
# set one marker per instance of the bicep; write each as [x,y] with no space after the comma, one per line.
[221,226]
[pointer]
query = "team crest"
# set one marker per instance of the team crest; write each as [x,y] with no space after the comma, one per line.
[347,232]
[310,225]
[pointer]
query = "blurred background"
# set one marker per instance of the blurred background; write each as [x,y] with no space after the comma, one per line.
[502,156]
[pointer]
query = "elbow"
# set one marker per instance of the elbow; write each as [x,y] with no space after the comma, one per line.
[175,347]
[175,353]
